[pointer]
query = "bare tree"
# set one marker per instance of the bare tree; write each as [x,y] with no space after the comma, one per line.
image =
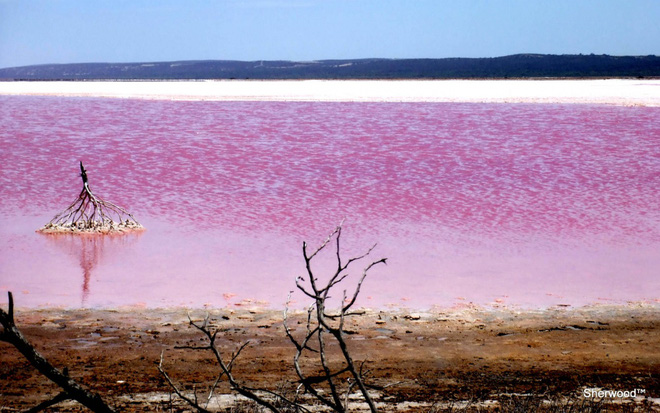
[71,390]
[89,213]
[324,325]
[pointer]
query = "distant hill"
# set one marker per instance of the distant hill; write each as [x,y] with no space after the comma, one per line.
[515,66]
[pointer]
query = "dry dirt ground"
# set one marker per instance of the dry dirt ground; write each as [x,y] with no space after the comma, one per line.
[425,361]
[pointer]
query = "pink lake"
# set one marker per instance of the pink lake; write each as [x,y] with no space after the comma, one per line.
[528,205]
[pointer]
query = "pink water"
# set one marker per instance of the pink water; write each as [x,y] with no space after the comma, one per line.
[515,204]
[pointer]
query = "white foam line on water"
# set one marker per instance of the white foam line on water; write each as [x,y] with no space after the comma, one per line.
[629,92]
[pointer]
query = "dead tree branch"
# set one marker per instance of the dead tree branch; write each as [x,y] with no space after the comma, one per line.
[90,213]
[71,389]
[320,322]
[225,371]
[192,402]
[328,384]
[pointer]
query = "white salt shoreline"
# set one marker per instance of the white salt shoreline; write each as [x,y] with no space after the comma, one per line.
[626,92]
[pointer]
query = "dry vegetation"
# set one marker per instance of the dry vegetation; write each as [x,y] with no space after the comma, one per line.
[91,214]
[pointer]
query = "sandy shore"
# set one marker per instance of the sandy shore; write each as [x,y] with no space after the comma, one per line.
[418,361]
[627,92]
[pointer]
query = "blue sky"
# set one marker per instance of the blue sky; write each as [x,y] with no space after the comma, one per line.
[73,31]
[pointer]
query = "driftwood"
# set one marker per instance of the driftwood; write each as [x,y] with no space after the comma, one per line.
[71,390]
[91,214]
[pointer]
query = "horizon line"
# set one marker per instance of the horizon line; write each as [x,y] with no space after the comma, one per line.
[316,60]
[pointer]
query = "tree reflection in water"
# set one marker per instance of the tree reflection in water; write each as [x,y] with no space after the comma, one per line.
[90,249]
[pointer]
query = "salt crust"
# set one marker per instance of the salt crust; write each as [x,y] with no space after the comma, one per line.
[107,227]
[625,92]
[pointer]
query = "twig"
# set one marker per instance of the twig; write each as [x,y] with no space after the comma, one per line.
[321,323]
[226,368]
[178,392]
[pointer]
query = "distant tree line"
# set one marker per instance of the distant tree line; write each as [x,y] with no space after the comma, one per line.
[514,66]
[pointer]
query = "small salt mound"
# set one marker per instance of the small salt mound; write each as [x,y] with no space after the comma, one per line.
[94,227]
